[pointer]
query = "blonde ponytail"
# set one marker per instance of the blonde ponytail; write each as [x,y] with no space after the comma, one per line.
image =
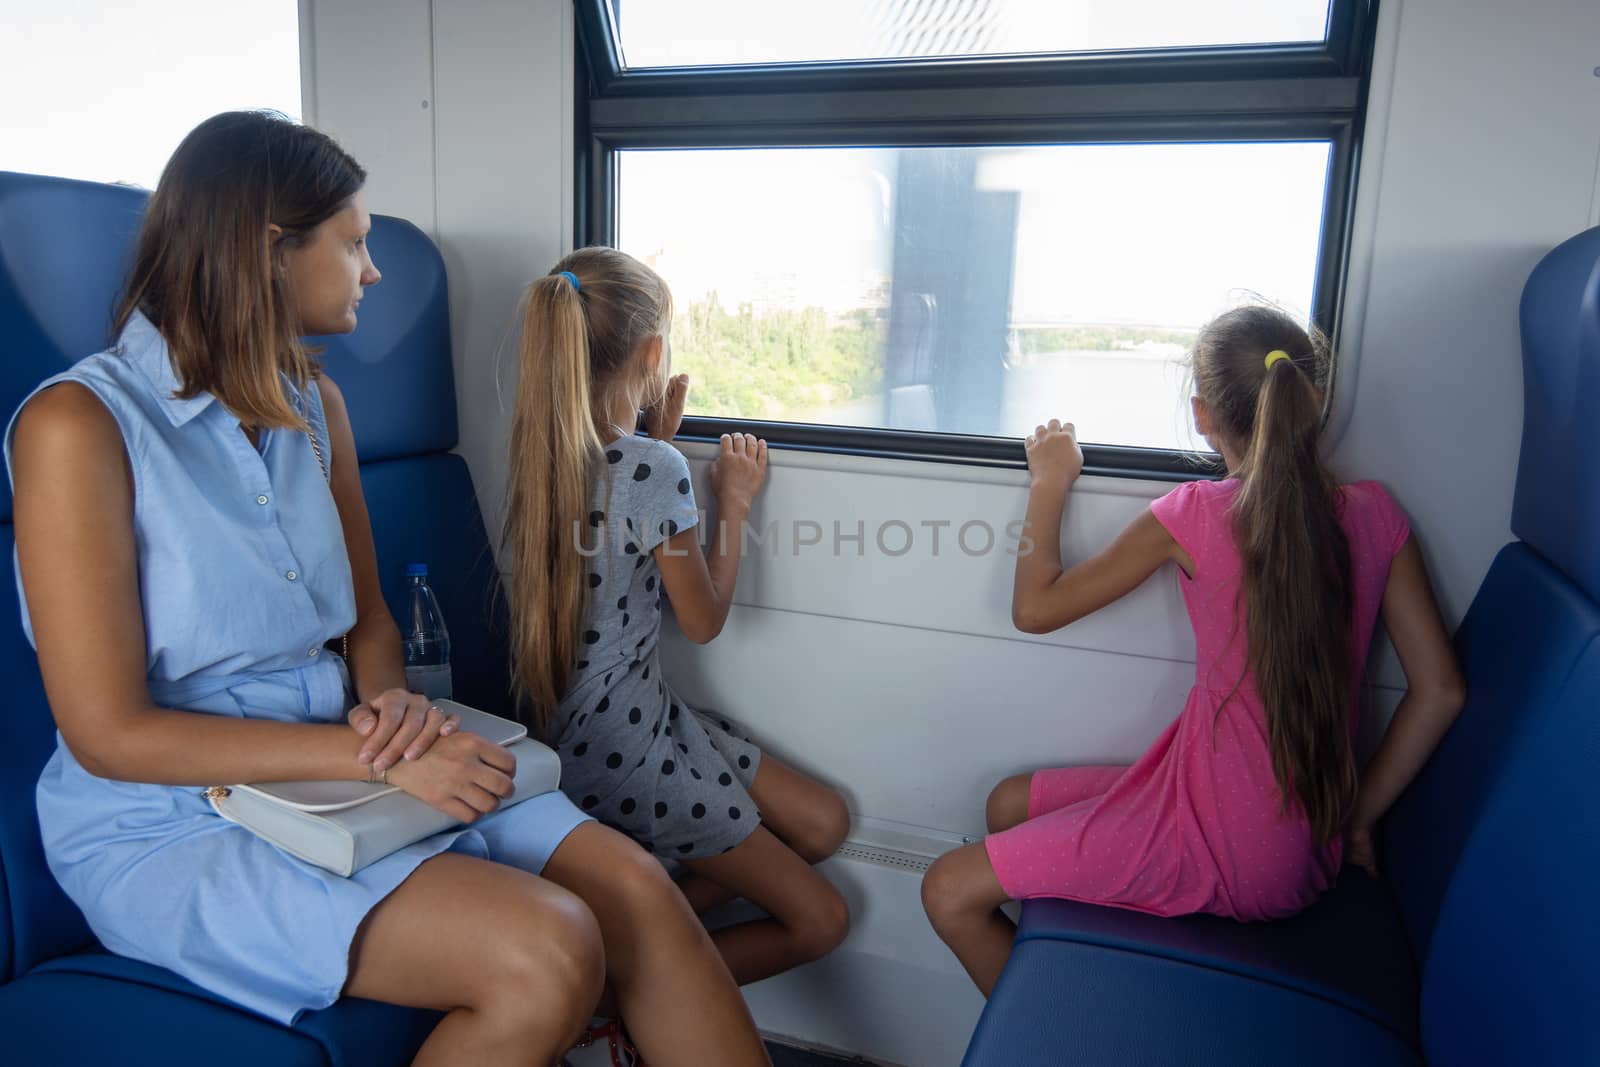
[554,451]
[582,326]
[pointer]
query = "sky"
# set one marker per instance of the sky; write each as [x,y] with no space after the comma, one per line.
[104,90]
[1164,235]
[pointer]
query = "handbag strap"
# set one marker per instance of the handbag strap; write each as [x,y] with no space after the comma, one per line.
[316,450]
[322,461]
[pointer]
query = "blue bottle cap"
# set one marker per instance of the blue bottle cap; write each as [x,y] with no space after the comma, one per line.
[416,570]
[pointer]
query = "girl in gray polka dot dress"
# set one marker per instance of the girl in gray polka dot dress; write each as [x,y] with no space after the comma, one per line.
[602,525]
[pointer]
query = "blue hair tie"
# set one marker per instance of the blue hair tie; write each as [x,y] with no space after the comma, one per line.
[573,278]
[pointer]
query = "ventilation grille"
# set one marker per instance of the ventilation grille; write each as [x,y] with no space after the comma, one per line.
[884,857]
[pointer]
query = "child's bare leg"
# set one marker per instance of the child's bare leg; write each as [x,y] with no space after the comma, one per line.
[803,813]
[962,897]
[702,893]
[809,917]
[1008,803]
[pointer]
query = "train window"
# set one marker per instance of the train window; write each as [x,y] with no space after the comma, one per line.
[917,229]
[106,95]
[688,33]
[966,290]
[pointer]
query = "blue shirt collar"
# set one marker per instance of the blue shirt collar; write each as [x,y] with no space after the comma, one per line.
[142,345]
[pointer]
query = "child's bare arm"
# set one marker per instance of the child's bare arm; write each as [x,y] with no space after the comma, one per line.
[1435,690]
[700,586]
[1040,604]
[1044,597]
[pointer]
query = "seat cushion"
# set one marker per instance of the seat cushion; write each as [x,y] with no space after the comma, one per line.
[66,1019]
[1349,948]
[156,1017]
[1059,1002]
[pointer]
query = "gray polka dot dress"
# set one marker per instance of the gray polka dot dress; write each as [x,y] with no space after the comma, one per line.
[633,754]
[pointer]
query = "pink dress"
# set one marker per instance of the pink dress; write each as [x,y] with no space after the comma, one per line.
[1196,824]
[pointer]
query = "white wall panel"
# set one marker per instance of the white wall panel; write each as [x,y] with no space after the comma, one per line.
[504,136]
[916,725]
[1489,115]
[883,541]
[461,111]
[367,74]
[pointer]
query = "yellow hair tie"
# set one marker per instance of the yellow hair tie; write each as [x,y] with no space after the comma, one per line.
[1275,355]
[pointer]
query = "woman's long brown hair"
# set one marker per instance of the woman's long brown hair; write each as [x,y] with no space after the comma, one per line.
[1295,555]
[204,272]
[579,345]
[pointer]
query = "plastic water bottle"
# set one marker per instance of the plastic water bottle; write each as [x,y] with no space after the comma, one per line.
[427,642]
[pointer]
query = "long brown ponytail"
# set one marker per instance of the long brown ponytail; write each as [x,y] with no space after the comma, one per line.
[578,347]
[1296,558]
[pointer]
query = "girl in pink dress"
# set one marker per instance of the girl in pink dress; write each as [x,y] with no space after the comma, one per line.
[1247,804]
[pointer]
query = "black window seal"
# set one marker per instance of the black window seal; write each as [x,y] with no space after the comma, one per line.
[1154,464]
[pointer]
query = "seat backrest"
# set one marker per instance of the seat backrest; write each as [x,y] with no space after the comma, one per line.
[1518,645]
[64,250]
[1492,850]
[63,255]
[1557,504]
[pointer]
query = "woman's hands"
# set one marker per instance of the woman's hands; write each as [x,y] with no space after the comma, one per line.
[398,725]
[425,753]
[662,420]
[739,470]
[463,775]
[1054,457]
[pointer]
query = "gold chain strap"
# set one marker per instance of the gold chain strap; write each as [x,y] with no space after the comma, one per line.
[316,450]
[322,462]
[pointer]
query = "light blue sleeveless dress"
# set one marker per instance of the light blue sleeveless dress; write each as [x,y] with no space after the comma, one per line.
[243,575]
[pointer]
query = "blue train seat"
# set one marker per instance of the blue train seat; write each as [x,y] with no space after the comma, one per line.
[1477,944]
[64,247]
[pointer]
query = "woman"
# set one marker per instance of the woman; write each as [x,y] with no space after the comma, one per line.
[190,531]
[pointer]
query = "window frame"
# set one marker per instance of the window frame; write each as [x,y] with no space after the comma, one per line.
[1244,93]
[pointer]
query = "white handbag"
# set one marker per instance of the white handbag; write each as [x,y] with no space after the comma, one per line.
[343,826]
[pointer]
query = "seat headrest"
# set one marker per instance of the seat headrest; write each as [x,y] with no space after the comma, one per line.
[65,249]
[1557,505]
[64,254]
